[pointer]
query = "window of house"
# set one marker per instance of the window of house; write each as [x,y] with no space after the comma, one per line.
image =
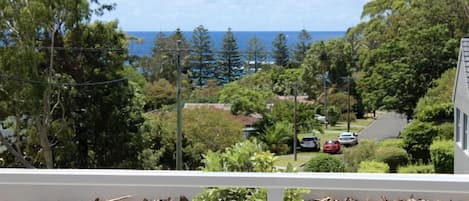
[464,136]
[458,125]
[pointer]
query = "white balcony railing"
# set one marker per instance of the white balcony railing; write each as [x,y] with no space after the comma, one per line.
[86,185]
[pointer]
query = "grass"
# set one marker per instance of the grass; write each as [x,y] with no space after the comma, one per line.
[332,132]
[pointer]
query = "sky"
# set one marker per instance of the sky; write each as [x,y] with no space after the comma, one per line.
[239,15]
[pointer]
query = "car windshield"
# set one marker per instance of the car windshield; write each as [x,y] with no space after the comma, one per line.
[346,135]
[309,138]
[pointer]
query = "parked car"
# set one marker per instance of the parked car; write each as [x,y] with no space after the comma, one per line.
[348,139]
[320,118]
[310,143]
[331,146]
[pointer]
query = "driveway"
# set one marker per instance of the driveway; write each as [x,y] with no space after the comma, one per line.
[388,125]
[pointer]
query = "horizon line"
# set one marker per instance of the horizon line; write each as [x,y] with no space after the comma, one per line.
[236,30]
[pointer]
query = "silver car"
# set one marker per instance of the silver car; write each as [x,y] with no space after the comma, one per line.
[311,143]
[348,139]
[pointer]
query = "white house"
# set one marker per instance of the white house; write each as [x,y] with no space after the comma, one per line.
[461,111]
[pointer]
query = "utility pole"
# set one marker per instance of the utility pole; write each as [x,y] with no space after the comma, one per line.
[325,98]
[179,109]
[295,128]
[348,103]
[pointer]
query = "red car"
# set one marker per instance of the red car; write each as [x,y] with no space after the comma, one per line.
[331,146]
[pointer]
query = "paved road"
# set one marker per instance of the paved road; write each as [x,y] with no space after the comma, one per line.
[388,125]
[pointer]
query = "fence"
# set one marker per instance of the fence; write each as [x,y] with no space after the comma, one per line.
[87,185]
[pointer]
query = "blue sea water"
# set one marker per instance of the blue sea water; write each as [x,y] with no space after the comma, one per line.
[242,37]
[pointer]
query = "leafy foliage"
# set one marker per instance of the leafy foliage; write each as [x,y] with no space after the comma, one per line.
[244,100]
[159,93]
[392,156]
[396,143]
[204,129]
[277,137]
[442,112]
[282,111]
[418,137]
[405,46]
[442,155]
[373,167]
[247,156]
[324,163]
[416,169]
[355,155]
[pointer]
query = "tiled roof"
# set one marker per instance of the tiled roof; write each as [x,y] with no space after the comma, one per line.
[465,56]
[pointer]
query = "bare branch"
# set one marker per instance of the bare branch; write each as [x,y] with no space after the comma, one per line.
[17,155]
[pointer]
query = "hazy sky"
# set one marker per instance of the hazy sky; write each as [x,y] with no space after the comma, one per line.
[240,15]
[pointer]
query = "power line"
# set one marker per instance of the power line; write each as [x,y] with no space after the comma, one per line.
[92,49]
[18,79]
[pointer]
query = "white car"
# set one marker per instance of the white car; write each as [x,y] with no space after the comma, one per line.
[320,118]
[347,138]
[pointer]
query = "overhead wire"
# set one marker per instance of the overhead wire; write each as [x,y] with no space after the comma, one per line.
[18,79]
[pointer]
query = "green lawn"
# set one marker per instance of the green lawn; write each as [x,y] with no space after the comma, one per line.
[332,132]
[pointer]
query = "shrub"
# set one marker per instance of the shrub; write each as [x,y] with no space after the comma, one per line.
[357,154]
[445,131]
[416,169]
[248,156]
[325,163]
[333,115]
[373,167]
[343,116]
[398,143]
[277,137]
[418,137]
[442,112]
[442,155]
[392,156]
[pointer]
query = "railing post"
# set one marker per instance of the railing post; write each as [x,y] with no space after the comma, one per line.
[275,194]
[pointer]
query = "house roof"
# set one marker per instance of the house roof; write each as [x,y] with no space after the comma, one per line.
[462,71]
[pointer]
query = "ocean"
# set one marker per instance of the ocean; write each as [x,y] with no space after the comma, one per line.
[242,37]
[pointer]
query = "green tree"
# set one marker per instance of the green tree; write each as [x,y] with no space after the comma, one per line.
[159,93]
[70,125]
[204,129]
[230,58]
[281,53]
[162,63]
[202,55]
[408,45]
[244,100]
[255,53]
[303,45]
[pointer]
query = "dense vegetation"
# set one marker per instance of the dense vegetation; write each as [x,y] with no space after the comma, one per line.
[72,97]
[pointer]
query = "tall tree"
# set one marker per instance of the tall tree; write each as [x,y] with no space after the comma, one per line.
[230,58]
[281,53]
[51,43]
[304,42]
[202,56]
[256,53]
[404,46]
[162,64]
